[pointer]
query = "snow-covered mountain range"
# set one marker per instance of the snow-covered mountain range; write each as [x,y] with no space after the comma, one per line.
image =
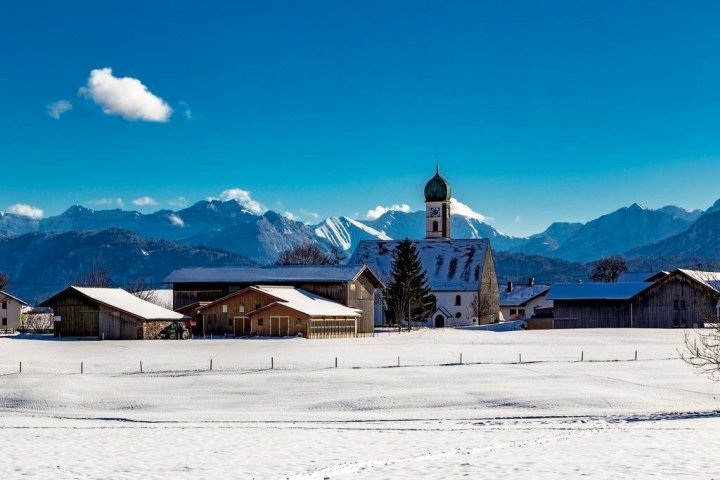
[227,225]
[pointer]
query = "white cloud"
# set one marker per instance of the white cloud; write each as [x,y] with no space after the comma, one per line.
[186,110]
[176,220]
[104,202]
[291,216]
[378,211]
[309,216]
[145,202]
[459,208]
[178,202]
[56,109]
[26,211]
[243,198]
[518,219]
[126,97]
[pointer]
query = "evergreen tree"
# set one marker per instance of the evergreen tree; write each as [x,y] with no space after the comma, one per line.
[408,289]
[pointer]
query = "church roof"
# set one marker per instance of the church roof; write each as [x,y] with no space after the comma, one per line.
[451,265]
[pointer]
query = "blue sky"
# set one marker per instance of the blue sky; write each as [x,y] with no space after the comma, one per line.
[537,111]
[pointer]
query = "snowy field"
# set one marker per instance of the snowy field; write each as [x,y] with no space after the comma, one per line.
[491,417]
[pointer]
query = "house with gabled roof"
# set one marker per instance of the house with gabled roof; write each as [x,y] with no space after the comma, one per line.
[108,313]
[351,285]
[10,312]
[278,311]
[519,301]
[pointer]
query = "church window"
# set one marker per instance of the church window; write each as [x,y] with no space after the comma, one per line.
[435,226]
[458,300]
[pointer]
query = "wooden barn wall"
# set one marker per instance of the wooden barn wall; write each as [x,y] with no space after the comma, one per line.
[217,322]
[280,328]
[361,295]
[656,308]
[116,325]
[591,314]
[79,317]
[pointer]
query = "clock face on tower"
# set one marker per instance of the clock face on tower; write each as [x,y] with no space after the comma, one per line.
[434,212]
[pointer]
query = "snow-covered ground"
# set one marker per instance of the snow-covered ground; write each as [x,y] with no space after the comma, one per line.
[491,417]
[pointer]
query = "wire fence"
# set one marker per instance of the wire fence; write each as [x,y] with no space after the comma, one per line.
[211,365]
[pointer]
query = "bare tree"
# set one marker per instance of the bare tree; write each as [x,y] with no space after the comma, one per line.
[4,280]
[702,346]
[37,321]
[308,254]
[98,277]
[481,308]
[608,269]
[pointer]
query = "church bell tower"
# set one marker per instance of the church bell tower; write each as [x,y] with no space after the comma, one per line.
[437,208]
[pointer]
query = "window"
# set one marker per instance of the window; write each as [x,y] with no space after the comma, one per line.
[241,308]
[521,312]
[682,304]
[260,322]
[4,305]
[4,322]
[224,308]
[257,306]
[458,300]
[458,315]
[435,226]
[298,322]
[513,311]
[676,304]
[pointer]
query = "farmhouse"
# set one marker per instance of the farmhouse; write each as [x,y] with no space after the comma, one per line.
[461,273]
[278,311]
[353,286]
[10,311]
[518,302]
[680,299]
[109,313]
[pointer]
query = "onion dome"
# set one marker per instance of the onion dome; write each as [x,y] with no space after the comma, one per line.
[437,189]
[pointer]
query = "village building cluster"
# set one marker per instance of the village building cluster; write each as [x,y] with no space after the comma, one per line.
[327,301]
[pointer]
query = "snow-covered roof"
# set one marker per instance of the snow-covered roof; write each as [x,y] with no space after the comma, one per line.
[125,301]
[711,279]
[596,291]
[273,274]
[451,265]
[521,294]
[637,277]
[7,295]
[297,299]
[307,303]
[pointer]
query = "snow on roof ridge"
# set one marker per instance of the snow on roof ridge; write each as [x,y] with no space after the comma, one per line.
[123,300]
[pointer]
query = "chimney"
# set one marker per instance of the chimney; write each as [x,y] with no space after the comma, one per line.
[531,282]
[509,287]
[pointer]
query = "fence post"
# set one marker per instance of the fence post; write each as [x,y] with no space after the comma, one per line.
[272,363]
[211,364]
[582,356]
[335,362]
[20,367]
[461,358]
[398,360]
[520,357]
[636,355]
[82,368]
[141,370]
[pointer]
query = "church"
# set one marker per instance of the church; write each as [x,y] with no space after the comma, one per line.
[461,272]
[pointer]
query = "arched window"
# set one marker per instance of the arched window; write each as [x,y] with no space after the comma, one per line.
[435,226]
[458,300]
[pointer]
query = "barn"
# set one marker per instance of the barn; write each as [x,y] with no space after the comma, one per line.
[353,286]
[278,311]
[108,313]
[679,299]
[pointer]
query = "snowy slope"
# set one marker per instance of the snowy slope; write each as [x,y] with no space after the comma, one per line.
[551,416]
